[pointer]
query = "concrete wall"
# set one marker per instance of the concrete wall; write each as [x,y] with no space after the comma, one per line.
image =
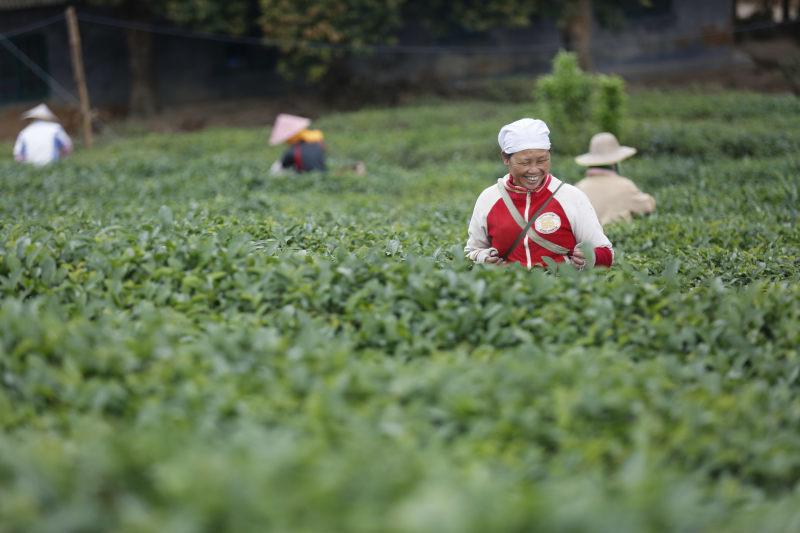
[692,35]
[498,53]
[197,70]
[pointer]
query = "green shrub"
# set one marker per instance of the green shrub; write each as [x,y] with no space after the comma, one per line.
[576,105]
[608,103]
[564,102]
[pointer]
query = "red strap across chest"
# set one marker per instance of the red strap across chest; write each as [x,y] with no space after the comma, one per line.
[298,157]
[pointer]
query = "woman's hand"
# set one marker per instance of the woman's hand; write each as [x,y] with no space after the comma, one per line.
[276,169]
[577,258]
[494,258]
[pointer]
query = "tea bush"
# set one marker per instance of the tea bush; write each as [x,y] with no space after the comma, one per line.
[190,344]
[577,104]
[608,106]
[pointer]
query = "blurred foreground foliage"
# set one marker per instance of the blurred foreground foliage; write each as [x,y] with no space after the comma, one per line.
[189,344]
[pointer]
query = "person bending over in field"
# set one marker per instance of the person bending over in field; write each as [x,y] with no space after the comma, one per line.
[43,141]
[613,197]
[306,150]
[561,223]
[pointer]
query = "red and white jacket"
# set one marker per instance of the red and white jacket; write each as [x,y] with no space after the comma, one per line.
[568,220]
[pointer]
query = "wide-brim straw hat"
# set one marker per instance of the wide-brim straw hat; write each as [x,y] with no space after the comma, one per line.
[41,112]
[286,126]
[604,149]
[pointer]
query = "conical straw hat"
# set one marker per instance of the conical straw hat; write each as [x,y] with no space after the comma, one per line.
[604,149]
[286,126]
[41,112]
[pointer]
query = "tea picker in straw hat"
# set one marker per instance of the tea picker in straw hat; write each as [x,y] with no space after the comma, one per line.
[529,216]
[306,150]
[43,141]
[614,197]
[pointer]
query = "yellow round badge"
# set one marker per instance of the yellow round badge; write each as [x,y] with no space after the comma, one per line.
[547,223]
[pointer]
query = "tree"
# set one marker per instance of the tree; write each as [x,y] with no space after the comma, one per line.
[442,16]
[316,36]
[576,26]
[228,16]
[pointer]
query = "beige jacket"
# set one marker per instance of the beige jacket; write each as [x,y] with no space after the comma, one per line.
[614,197]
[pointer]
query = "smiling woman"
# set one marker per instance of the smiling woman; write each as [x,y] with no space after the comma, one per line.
[530,214]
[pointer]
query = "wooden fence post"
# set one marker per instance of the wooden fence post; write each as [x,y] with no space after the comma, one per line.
[80,77]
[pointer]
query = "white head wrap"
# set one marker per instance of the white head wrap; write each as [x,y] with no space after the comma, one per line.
[524,134]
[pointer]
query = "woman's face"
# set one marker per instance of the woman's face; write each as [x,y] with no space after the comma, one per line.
[528,168]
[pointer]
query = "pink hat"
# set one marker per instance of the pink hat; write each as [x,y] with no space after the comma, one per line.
[286,126]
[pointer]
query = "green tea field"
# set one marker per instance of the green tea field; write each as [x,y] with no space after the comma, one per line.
[190,344]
